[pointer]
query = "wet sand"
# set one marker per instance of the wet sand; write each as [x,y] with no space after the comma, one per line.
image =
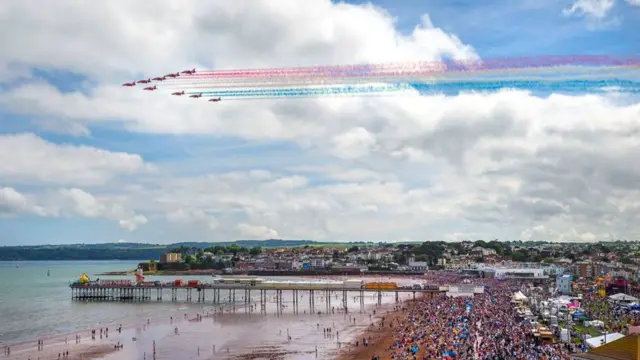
[54,348]
[240,335]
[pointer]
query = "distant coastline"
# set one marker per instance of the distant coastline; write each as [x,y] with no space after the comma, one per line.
[138,251]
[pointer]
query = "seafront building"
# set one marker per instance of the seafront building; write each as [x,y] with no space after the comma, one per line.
[170,258]
[496,272]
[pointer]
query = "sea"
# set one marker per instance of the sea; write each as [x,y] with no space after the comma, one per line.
[35,304]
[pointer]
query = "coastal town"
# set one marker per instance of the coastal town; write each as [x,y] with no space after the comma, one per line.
[538,301]
[582,260]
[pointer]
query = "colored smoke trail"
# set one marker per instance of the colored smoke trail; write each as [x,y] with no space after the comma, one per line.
[425,68]
[571,86]
[298,92]
[546,74]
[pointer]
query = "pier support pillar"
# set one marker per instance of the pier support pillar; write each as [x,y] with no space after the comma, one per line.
[345,301]
[295,301]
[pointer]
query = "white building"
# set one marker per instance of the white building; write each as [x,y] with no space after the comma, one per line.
[480,251]
[513,273]
[563,284]
[553,270]
[317,263]
[296,265]
[418,266]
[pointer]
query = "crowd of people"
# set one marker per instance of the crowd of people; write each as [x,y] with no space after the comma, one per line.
[482,327]
[600,308]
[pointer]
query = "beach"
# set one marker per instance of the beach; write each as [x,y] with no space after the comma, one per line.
[242,334]
[380,336]
[245,333]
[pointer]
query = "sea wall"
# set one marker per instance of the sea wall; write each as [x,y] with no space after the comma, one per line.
[355,272]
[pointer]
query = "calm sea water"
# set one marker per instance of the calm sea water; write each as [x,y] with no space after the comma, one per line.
[33,304]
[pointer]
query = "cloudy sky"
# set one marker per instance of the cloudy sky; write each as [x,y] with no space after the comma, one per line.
[84,160]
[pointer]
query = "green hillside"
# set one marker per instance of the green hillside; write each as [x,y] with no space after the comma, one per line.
[140,251]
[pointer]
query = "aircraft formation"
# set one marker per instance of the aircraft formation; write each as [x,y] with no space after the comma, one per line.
[159,79]
[571,74]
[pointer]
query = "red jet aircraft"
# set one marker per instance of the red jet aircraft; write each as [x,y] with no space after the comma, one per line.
[144,81]
[196,96]
[172,75]
[129,84]
[159,78]
[180,93]
[151,88]
[189,72]
[215,100]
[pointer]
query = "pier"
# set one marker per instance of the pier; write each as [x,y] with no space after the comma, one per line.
[227,293]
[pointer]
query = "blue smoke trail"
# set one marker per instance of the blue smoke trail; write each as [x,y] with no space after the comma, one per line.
[566,86]
[293,92]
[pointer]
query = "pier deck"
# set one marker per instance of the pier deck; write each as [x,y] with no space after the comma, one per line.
[97,292]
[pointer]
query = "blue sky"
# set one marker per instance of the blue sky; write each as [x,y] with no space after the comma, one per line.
[493,28]
[498,28]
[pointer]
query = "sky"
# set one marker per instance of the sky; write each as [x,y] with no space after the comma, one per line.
[84,160]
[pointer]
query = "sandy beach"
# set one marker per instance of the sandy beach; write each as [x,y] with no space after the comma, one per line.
[55,347]
[379,337]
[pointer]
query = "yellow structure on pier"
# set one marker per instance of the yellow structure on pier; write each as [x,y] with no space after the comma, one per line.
[83,279]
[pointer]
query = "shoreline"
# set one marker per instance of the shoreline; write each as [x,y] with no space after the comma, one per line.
[380,338]
[160,326]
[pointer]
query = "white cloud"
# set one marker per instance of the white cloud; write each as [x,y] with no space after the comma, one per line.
[87,205]
[28,158]
[507,165]
[122,38]
[596,12]
[192,216]
[597,9]
[633,2]
[133,222]
[257,231]
[12,203]
[354,143]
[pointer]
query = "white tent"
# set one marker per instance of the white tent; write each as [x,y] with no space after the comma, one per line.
[594,342]
[622,297]
[519,296]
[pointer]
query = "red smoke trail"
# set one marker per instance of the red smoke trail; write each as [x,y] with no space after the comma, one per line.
[422,68]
